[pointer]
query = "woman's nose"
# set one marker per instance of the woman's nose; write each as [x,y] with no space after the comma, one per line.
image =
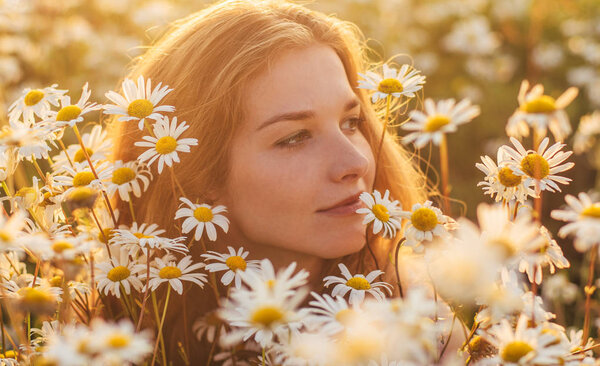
[348,159]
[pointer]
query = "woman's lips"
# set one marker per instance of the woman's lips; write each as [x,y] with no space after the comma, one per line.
[344,210]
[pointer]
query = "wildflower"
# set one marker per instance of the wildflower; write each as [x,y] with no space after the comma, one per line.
[28,143]
[128,177]
[330,316]
[358,285]
[70,114]
[549,254]
[144,237]
[587,132]
[540,111]
[10,230]
[438,119]
[539,167]
[558,288]
[425,223]
[97,145]
[139,102]
[583,217]
[394,82]
[35,102]
[382,212]
[266,280]
[47,331]
[500,182]
[174,273]
[500,299]
[67,247]
[117,272]
[200,216]
[41,298]
[119,343]
[208,325]
[233,263]
[472,36]
[81,175]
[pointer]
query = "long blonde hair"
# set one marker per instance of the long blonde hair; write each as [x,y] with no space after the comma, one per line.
[208,58]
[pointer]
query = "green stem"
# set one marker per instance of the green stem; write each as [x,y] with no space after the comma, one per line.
[162,321]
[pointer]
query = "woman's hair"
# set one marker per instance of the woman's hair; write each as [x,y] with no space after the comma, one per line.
[208,58]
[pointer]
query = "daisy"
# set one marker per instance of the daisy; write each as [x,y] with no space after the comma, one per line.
[81,175]
[200,216]
[540,112]
[70,114]
[144,237]
[97,144]
[119,343]
[583,217]
[26,143]
[164,145]
[425,222]
[394,82]
[539,167]
[35,102]
[233,263]
[266,280]
[174,273]
[438,119]
[207,325]
[328,315]
[523,345]
[382,212]
[587,132]
[139,102]
[11,230]
[128,177]
[550,254]
[41,298]
[358,285]
[67,247]
[117,272]
[500,182]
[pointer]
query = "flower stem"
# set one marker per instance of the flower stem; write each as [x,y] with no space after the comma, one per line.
[142,311]
[162,321]
[444,170]
[62,146]
[396,264]
[263,352]
[211,276]
[131,207]
[589,290]
[38,169]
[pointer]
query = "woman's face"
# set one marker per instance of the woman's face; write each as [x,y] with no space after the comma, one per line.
[299,153]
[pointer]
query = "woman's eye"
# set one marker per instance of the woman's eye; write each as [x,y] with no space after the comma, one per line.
[294,140]
[352,124]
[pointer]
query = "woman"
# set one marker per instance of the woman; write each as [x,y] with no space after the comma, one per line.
[286,140]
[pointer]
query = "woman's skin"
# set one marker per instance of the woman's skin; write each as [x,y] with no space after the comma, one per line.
[285,171]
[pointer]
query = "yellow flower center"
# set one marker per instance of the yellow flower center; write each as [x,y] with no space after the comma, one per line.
[592,211]
[32,295]
[25,191]
[118,340]
[9,354]
[358,283]
[142,236]
[236,262]
[5,236]
[390,85]
[61,245]
[381,212]
[68,113]
[554,333]
[81,194]
[344,316]
[434,123]
[105,235]
[80,156]
[33,97]
[169,272]
[508,178]
[203,214]
[123,175]
[515,350]
[535,166]
[83,179]
[56,281]
[424,219]
[140,108]
[166,145]
[266,315]
[541,104]
[270,284]
[119,273]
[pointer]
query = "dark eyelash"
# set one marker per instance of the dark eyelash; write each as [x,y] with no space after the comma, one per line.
[285,143]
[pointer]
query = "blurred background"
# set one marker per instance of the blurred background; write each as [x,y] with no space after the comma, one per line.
[480,49]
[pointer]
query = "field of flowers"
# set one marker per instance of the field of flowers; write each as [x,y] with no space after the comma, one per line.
[499,101]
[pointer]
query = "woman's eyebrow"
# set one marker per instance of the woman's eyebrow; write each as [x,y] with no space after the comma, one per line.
[301,115]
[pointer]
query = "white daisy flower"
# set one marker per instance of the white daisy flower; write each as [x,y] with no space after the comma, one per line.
[330,316]
[67,247]
[425,223]
[358,285]
[439,118]
[524,345]
[539,167]
[207,325]
[587,132]
[583,217]
[200,216]
[500,182]
[47,331]
[116,272]
[119,343]
[145,237]
[174,273]
[41,298]
[81,175]
[139,102]
[35,102]
[128,177]
[10,230]
[28,143]
[382,212]
[266,280]
[233,263]
[405,81]
[165,145]
[8,163]
[550,254]
[540,112]
[97,144]
[70,114]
